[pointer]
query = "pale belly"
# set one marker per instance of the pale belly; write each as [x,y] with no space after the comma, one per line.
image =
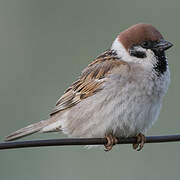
[124,113]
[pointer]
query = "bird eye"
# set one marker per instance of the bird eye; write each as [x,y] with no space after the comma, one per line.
[146,44]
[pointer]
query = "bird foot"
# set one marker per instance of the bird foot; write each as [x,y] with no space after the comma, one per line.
[111,141]
[141,139]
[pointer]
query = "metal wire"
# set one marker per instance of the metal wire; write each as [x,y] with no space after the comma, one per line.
[84,141]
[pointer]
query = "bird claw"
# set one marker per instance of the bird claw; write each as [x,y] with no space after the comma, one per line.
[141,139]
[111,141]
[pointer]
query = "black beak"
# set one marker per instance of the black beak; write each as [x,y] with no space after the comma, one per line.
[162,45]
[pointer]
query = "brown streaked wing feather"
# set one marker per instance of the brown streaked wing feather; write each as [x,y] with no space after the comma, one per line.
[89,82]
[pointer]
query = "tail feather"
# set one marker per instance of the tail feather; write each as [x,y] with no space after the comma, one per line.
[31,129]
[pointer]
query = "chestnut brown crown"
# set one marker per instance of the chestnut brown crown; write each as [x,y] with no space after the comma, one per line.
[139,33]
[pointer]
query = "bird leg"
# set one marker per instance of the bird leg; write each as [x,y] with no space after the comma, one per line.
[111,141]
[141,139]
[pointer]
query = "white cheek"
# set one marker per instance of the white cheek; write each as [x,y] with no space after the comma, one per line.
[121,51]
[123,54]
[150,60]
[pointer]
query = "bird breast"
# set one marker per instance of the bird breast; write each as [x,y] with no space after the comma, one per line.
[123,107]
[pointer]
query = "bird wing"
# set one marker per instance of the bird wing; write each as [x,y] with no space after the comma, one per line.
[90,80]
[89,83]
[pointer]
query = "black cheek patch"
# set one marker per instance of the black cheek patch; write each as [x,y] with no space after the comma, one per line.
[138,54]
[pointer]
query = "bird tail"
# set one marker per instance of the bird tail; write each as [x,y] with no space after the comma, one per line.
[31,129]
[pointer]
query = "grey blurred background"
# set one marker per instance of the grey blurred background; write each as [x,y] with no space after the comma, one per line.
[43,47]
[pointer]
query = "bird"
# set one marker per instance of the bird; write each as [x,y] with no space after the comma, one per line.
[118,95]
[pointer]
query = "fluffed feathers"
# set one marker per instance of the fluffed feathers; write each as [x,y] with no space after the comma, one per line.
[90,81]
[88,84]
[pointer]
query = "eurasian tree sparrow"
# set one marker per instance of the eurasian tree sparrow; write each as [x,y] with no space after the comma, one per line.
[119,94]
